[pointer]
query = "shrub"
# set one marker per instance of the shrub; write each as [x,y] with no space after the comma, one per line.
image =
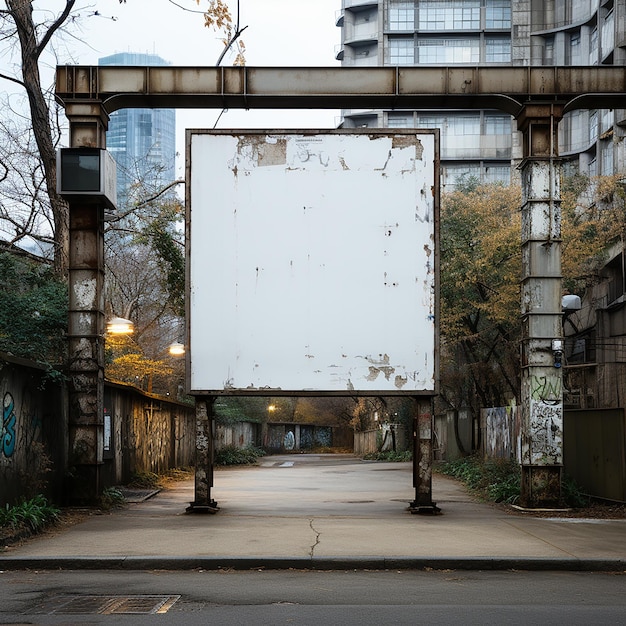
[572,493]
[112,498]
[232,455]
[389,455]
[145,480]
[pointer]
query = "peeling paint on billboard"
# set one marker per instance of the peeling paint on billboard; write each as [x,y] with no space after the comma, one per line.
[312,261]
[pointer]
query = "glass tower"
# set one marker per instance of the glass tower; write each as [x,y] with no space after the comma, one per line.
[142,141]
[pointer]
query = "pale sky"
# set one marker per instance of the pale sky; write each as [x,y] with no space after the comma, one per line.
[279,33]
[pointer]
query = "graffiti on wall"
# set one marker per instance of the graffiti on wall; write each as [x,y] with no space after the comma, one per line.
[7,430]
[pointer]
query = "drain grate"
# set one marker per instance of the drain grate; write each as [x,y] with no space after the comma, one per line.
[105,605]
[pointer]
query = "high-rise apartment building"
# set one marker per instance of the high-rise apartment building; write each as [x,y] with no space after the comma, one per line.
[484,143]
[142,141]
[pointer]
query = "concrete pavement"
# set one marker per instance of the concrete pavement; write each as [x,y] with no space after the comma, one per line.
[323,512]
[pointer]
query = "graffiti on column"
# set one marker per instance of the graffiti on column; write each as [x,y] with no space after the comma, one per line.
[542,439]
[7,431]
[546,432]
[546,389]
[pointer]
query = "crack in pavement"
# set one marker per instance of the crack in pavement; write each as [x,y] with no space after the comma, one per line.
[317,538]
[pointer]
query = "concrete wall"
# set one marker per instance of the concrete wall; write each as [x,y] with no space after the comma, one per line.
[453,435]
[146,434]
[280,437]
[143,433]
[33,432]
[500,433]
[240,435]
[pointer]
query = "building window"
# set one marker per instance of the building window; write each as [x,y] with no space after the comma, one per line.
[593,47]
[497,125]
[449,15]
[464,125]
[593,126]
[497,174]
[431,121]
[459,175]
[443,51]
[400,120]
[548,51]
[401,51]
[606,152]
[498,14]
[575,55]
[497,50]
[401,15]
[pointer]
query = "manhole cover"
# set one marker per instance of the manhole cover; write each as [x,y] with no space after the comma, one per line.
[105,605]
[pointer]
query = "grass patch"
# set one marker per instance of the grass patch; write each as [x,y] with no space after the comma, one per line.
[499,480]
[232,455]
[496,480]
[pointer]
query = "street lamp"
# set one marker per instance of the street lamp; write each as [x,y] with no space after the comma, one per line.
[177,349]
[120,326]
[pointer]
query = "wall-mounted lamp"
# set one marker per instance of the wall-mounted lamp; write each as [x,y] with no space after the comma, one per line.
[570,303]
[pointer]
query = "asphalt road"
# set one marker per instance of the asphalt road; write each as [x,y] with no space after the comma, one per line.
[312,597]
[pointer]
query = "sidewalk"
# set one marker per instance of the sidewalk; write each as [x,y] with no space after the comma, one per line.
[323,513]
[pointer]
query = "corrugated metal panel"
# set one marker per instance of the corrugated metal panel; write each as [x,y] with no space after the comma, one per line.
[595,451]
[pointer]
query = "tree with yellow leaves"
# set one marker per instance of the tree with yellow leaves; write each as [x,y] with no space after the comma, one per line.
[219,18]
[481,271]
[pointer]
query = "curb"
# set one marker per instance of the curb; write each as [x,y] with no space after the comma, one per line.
[308,563]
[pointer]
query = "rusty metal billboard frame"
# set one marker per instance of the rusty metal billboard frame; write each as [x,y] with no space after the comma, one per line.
[361,187]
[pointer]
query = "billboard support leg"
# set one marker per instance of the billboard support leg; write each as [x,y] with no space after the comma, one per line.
[205,458]
[423,458]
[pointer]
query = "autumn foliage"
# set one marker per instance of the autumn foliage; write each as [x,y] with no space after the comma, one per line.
[481,271]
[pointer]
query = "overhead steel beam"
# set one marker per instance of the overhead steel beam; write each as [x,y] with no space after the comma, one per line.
[508,89]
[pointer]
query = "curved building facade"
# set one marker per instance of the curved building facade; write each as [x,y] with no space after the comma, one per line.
[484,144]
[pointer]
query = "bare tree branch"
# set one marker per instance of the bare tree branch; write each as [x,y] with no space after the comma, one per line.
[69,5]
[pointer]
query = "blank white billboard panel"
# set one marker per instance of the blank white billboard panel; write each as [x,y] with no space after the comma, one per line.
[312,262]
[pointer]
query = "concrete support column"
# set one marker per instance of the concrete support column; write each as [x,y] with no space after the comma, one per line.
[541,402]
[205,457]
[88,124]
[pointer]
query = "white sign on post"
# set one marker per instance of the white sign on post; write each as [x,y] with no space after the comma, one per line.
[312,260]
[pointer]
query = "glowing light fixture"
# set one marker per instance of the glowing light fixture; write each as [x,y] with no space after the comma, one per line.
[177,349]
[120,326]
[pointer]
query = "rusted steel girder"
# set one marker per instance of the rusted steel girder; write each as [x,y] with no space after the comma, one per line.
[88,123]
[205,424]
[508,89]
[423,427]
